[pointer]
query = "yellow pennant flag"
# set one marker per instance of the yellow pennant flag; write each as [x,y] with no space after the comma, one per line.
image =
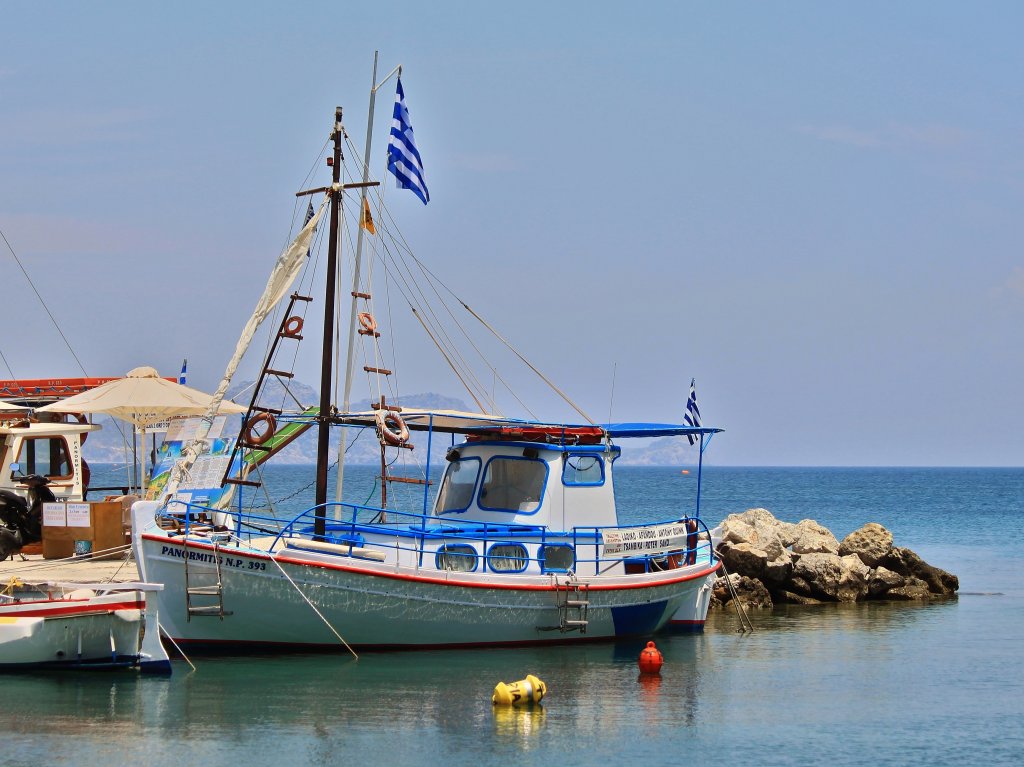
[366,220]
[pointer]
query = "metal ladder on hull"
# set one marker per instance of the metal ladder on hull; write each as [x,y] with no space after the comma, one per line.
[573,602]
[212,594]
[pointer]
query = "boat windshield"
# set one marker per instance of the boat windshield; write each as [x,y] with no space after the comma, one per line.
[457,487]
[513,484]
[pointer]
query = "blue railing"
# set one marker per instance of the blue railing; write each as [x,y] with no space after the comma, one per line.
[348,525]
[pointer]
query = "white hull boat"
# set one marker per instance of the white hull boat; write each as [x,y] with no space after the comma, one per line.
[82,627]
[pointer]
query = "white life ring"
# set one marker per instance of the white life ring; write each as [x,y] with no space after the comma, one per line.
[392,427]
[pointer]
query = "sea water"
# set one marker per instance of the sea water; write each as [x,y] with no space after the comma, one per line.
[876,683]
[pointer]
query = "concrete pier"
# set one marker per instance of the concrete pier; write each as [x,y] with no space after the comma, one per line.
[119,568]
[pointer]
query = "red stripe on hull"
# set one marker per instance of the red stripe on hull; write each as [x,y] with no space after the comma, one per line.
[62,611]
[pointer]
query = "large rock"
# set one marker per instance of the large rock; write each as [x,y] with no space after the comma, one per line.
[750,592]
[812,538]
[758,527]
[883,581]
[871,543]
[818,575]
[911,589]
[743,559]
[778,571]
[805,564]
[907,563]
[854,582]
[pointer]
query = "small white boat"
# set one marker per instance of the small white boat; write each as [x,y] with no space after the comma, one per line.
[82,626]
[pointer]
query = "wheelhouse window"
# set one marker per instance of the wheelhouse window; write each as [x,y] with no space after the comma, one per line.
[557,558]
[457,557]
[47,456]
[583,469]
[507,558]
[513,484]
[457,487]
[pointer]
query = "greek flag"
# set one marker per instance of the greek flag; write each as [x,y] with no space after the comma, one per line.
[692,417]
[181,375]
[403,157]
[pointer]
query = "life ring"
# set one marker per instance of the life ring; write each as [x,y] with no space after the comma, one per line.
[675,560]
[691,541]
[252,434]
[86,476]
[292,326]
[368,322]
[85,422]
[392,427]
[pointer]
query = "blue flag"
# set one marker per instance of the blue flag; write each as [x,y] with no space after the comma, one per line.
[181,375]
[403,157]
[692,417]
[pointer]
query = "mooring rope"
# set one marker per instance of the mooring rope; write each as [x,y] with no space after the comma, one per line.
[301,594]
[741,613]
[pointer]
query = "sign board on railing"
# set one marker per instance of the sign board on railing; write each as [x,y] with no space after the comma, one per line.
[642,541]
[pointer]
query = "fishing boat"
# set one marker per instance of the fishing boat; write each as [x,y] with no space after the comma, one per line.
[521,543]
[81,626]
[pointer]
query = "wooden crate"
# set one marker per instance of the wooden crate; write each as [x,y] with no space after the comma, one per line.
[105,531]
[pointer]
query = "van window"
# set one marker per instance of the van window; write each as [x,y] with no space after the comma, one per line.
[47,456]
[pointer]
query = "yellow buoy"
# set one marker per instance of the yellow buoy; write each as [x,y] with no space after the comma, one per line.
[523,692]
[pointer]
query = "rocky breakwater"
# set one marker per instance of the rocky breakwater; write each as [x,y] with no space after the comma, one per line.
[771,561]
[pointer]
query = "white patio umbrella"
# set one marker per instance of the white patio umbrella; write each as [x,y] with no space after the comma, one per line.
[9,408]
[141,398]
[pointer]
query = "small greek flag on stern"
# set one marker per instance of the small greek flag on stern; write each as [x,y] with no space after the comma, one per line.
[692,417]
[403,157]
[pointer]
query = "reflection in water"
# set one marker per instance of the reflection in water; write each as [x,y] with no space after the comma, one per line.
[519,725]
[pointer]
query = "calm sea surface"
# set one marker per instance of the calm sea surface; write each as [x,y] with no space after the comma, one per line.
[873,684]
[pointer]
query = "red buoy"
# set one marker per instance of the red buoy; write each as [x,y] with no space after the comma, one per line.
[651,660]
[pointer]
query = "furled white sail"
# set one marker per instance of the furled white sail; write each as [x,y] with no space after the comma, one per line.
[287,268]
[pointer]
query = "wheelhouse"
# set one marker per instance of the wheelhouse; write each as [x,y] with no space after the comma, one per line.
[529,483]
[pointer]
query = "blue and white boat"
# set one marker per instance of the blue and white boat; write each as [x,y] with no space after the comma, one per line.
[521,543]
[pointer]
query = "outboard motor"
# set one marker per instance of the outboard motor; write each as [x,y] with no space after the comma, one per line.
[21,522]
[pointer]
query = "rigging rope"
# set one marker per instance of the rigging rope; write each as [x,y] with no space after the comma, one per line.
[41,301]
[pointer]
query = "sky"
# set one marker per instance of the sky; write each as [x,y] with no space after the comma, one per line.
[813,209]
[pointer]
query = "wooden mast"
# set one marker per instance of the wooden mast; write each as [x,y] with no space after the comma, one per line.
[326,372]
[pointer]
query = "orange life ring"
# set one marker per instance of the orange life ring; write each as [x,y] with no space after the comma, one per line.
[85,422]
[292,326]
[86,476]
[255,437]
[392,427]
[368,322]
[691,541]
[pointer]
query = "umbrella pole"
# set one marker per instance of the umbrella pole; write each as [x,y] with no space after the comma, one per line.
[144,467]
[135,458]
